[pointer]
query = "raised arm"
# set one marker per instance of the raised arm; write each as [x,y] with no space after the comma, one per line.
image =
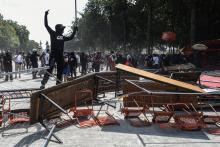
[46,22]
[72,35]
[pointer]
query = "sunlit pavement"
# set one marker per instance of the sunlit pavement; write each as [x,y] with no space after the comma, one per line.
[123,136]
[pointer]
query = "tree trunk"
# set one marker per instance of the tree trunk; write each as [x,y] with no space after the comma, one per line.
[148,35]
[125,17]
[193,31]
[193,23]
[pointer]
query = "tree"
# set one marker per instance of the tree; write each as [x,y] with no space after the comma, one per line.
[137,24]
[22,33]
[1,17]
[8,37]
[32,45]
[14,36]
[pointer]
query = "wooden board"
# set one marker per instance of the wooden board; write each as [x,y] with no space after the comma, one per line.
[63,95]
[159,78]
[154,100]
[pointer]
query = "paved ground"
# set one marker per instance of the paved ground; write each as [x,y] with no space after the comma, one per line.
[108,136]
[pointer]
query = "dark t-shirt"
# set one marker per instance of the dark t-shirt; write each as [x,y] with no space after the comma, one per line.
[57,43]
[7,59]
[57,40]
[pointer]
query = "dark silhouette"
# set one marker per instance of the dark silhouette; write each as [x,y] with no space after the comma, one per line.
[57,45]
[7,61]
[34,62]
[83,61]
[73,64]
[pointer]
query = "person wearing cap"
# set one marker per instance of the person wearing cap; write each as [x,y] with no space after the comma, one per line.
[57,46]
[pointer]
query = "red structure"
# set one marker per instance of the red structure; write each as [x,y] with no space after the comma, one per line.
[208,59]
[168,36]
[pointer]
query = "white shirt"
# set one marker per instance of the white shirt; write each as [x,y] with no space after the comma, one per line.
[46,58]
[113,57]
[19,59]
[78,58]
[155,60]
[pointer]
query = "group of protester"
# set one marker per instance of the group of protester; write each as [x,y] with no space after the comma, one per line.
[158,61]
[21,62]
[95,62]
[66,64]
[80,63]
[73,63]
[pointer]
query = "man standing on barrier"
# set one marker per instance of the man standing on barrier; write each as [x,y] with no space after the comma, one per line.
[57,46]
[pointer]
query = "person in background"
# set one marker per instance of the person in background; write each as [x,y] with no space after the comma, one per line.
[43,63]
[7,61]
[119,59]
[112,61]
[156,61]
[57,47]
[78,61]
[47,57]
[149,61]
[108,62]
[84,61]
[18,64]
[34,62]
[90,63]
[42,59]
[27,60]
[73,64]
[134,62]
[23,65]
[97,61]
[129,61]
[66,68]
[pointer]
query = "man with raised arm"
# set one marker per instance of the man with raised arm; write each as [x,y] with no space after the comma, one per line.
[57,46]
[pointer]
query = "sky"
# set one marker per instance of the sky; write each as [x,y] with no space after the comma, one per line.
[31,13]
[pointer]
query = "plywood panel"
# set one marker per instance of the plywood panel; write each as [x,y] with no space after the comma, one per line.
[63,95]
[159,78]
[154,99]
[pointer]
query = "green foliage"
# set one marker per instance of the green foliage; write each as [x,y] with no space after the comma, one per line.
[14,36]
[22,33]
[32,45]
[8,37]
[137,24]
[1,17]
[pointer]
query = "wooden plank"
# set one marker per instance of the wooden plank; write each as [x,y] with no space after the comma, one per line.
[154,100]
[158,78]
[62,95]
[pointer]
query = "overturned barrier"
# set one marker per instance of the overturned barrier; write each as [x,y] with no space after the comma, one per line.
[157,99]
[11,113]
[63,94]
[49,102]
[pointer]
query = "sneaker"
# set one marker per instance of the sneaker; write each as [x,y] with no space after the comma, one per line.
[42,86]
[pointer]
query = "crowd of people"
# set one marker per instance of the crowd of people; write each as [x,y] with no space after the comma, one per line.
[16,62]
[81,63]
[67,63]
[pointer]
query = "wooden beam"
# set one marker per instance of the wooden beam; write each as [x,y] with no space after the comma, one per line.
[159,78]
